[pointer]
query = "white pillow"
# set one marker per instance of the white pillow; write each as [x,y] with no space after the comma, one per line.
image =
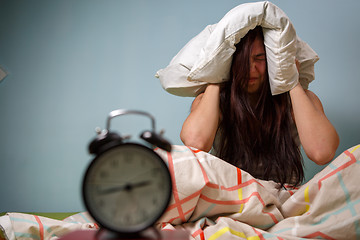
[207,57]
[173,78]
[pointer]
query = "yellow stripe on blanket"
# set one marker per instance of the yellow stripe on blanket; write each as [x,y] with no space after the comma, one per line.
[240,198]
[240,192]
[358,146]
[233,232]
[307,198]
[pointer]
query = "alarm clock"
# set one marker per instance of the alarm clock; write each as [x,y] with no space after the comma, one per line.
[127,186]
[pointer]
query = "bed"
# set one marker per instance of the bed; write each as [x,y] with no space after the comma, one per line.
[215,200]
[36,225]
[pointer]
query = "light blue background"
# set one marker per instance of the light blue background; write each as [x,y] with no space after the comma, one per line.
[70,63]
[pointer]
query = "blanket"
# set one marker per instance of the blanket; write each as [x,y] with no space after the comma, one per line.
[215,200]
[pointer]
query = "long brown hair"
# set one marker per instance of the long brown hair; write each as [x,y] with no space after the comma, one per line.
[257,137]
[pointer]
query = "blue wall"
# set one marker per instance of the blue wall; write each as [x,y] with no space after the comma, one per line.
[70,63]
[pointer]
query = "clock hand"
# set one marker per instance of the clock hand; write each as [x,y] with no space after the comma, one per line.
[140,184]
[125,187]
[112,190]
[142,173]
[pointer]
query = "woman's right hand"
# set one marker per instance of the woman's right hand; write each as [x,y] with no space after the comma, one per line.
[200,127]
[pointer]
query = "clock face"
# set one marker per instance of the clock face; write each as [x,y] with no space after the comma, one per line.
[127,188]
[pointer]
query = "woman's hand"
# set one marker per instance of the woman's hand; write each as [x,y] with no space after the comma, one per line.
[317,135]
[199,128]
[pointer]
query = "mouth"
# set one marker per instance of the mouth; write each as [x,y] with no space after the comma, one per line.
[252,80]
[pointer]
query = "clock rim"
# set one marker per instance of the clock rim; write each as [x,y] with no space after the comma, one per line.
[139,227]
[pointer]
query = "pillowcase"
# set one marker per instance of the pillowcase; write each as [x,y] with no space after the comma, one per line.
[207,57]
[174,77]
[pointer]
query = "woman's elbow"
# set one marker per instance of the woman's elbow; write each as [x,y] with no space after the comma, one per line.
[323,155]
[196,142]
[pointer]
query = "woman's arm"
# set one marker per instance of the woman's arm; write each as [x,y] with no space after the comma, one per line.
[317,135]
[199,128]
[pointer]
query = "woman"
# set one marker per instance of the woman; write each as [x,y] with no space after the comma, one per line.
[248,127]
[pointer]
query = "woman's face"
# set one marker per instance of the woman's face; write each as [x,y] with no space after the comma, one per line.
[257,66]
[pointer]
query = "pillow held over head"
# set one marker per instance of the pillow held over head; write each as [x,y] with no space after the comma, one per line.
[207,57]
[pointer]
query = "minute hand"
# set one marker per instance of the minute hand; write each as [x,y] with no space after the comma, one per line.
[140,184]
[125,187]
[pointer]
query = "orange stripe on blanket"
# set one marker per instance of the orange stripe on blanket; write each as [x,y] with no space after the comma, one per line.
[233,202]
[163,225]
[258,233]
[194,150]
[175,192]
[236,202]
[271,215]
[41,227]
[96,226]
[189,211]
[352,161]
[202,236]
[198,232]
[239,178]
[319,234]
[206,179]
[180,202]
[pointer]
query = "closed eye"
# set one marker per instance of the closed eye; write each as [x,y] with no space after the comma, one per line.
[260,57]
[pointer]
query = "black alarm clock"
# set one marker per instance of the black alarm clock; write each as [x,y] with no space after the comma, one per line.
[127,186]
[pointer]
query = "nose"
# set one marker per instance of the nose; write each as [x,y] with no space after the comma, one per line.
[253,66]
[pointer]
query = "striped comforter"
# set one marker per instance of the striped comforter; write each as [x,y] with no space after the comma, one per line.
[215,200]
